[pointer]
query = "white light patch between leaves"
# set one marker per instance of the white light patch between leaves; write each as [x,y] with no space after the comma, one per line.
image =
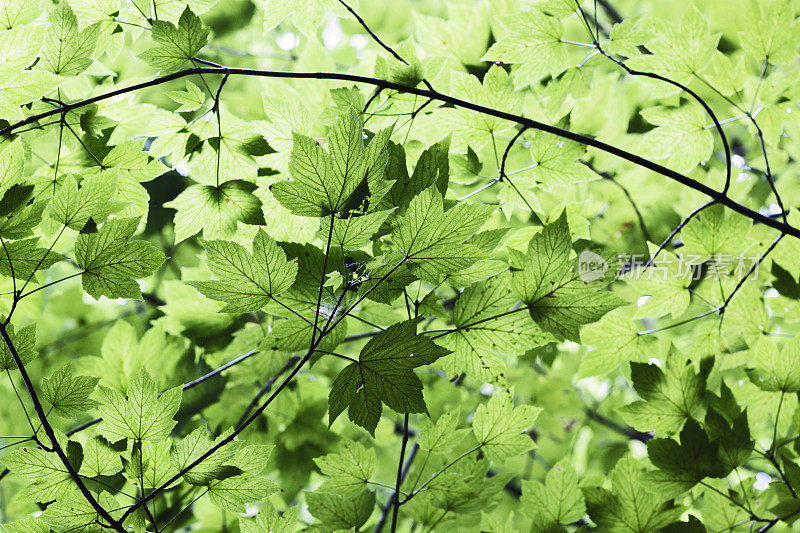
[762,481]
[358,41]
[332,34]
[287,41]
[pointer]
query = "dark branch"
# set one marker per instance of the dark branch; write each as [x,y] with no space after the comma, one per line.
[50,432]
[720,197]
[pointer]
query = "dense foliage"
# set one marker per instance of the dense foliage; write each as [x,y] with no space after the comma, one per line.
[484,265]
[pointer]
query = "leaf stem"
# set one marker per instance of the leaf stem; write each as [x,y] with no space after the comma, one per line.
[440,472]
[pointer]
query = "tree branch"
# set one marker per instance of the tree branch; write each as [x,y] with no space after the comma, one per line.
[50,432]
[400,467]
[394,496]
[719,196]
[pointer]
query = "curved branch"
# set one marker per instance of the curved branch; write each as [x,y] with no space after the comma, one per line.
[224,442]
[379,40]
[696,97]
[50,432]
[720,197]
[674,232]
[265,388]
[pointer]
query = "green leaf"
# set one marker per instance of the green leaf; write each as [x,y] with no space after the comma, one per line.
[131,161]
[500,427]
[735,444]
[149,465]
[442,436]
[771,32]
[548,263]
[432,239]
[409,72]
[176,45]
[268,519]
[12,163]
[323,182]
[294,335]
[17,216]
[28,524]
[465,489]
[215,210]
[21,87]
[17,13]
[252,459]
[496,91]
[431,170]
[194,445]
[626,37]
[681,139]
[306,16]
[24,341]
[682,465]
[234,493]
[720,512]
[488,330]
[557,162]
[47,476]
[349,470]
[247,281]
[615,340]
[191,99]
[123,355]
[788,249]
[111,261]
[353,232]
[22,259]
[67,51]
[140,415]
[68,395]
[558,299]
[336,512]
[99,459]
[74,207]
[670,396]
[533,41]
[630,507]
[384,374]
[556,501]
[75,513]
[773,369]
[666,285]
[679,51]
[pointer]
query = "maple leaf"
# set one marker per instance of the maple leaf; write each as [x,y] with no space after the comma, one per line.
[433,240]
[141,414]
[110,260]
[247,281]
[177,46]
[323,182]
[383,374]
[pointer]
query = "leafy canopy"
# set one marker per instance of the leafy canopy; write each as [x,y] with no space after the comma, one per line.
[543,254]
